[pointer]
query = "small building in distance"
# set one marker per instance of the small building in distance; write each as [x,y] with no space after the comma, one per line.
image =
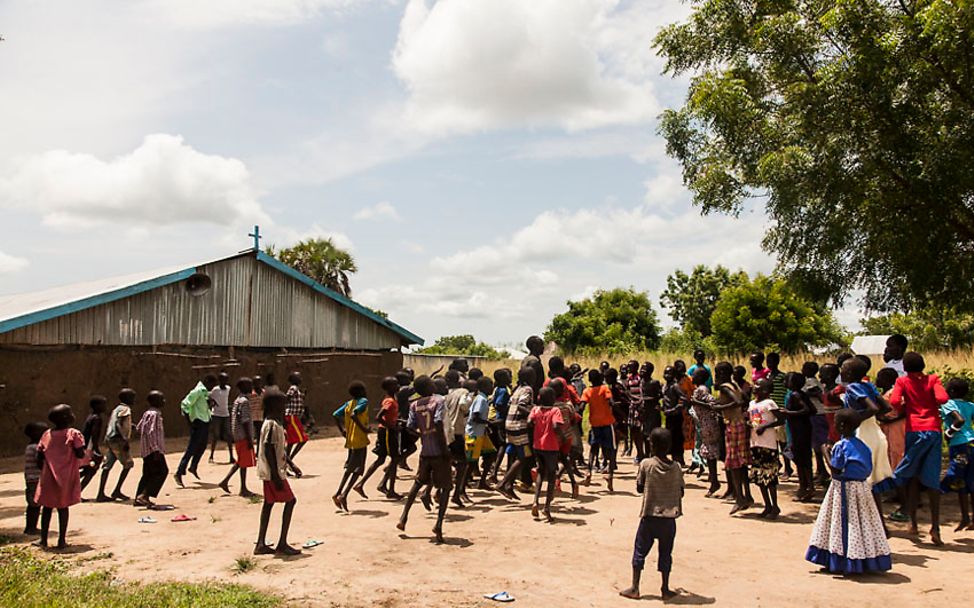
[248,314]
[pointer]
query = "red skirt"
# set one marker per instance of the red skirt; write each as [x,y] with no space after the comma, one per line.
[245,454]
[737,441]
[273,495]
[294,430]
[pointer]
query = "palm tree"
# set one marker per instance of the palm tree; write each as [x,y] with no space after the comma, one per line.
[321,260]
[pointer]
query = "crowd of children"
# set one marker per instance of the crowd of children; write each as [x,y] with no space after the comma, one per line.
[827,424]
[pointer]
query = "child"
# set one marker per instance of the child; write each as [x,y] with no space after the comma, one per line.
[896,346]
[516,429]
[457,404]
[352,419]
[737,452]
[957,414]
[93,430]
[739,378]
[272,468]
[848,537]
[294,414]
[703,401]
[549,433]
[832,399]
[779,394]
[763,414]
[59,453]
[571,419]
[477,445]
[32,475]
[660,481]
[386,444]
[674,400]
[894,423]
[820,426]
[620,407]
[152,444]
[601,435]
[427,419]
[500,402]
[242,430]
[195,407]
[117,437]
[637,413]
[257,407]
[652,397]
[220,417]
[798,412]
[758,370]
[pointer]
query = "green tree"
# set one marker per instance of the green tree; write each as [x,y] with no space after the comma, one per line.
[615,321]
[463,345]
[321,260]
[691,298]
[853,120]
[767,312]
[929,328]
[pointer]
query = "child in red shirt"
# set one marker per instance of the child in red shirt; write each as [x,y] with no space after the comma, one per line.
[549,432]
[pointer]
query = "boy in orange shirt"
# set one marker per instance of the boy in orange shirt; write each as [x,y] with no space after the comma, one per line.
[598,398]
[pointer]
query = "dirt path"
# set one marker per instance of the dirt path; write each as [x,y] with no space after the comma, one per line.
[581,560]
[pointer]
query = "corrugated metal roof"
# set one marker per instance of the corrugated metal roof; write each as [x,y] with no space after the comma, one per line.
[21,310]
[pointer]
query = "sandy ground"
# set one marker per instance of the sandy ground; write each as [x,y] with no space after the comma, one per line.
[580,560]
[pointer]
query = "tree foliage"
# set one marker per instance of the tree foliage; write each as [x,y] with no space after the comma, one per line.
[691,298]
[768,313]
[614,321]
[853,120]
[321,260]
[463,345]
[930,328]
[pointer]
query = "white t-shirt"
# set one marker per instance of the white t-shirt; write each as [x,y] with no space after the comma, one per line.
[221,399]
[897,364]
[271,431]
[762,412]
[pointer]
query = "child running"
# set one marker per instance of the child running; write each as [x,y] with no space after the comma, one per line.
[152,443]
[272,468]
[478,447]
[93,430]
[549,433]
[242,430]
[59,453]
[117,437]
[294,414]
[32,475]
[386,444]
[849,537]
[352,419]
[601,435]
[516,430]
[957,414]
[660,481]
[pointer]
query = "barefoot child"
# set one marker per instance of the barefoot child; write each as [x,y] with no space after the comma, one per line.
[707,425]
[195,407]
[294,414]
[848,537]
[386,444]
[516,430]
[477,445]
[549,433]
[352,419]
[152,444]
[220,416]
[957,414]
[730,404]
[601,435]
[272,469]
[660,481]
[763,415]
[93,430]
[59,453]
[242,430]
[798,412]
[119,450]
[32,475]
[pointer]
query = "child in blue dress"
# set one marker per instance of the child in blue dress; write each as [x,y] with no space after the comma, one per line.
[848,537]
[957,414]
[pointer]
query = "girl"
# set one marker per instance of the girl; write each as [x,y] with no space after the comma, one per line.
[763,414]
[957,414]
[59,454]
[737,454]
[703,410]
[387,444]
[549,434]
[799,411]
[849,537]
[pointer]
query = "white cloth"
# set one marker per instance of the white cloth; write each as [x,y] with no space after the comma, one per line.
[221,400]
[872,435]
[867,539]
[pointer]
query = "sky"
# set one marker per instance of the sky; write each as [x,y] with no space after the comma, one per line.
[485,162]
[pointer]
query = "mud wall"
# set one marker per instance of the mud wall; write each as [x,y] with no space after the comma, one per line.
[32,379]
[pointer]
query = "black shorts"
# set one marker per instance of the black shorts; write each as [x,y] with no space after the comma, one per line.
[458,449]
[547,462]
[355,462]
[220,428]
[435,470]
[387,443]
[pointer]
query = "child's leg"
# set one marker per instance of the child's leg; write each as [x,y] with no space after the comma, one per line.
[773,496]
[46,513]
[297,448]
[440,514]
[879,507]
[461,479]
[498,460]
[225,484]
[486,464]
[340,492]
[105,470]
[215,428]
[550,476]
[963,498]
[265,518]
[33,510]
[117,493]
[712,477]
[352,478]
[368,473]
[282,547]
[934,497]
[746,486]
[913,498]
[641,548]
[244,491]
[410,499]
[62,527]
[537,487]
[637,440]
[666,534]
[159,477]
[389,477]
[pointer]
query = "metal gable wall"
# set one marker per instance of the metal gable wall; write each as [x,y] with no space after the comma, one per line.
[249,304]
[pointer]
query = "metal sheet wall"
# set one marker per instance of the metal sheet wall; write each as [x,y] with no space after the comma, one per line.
[249,304]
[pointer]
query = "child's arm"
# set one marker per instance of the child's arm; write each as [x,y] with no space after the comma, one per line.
[778,421]
[272,458]
[827,453]
[358,410]
[338,421]
[956,427]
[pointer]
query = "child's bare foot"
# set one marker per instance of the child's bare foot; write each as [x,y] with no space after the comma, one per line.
[935,537]
[427,504]
[63,545]
[775,512]
[631,593]
[547,515]
[120,496]
[224,486]
[401,526]
[286,550]
[31,531]
[103,498]
[179,480]
[438,532]
[40,543]
[394,496]
[263,549]
[914,531]
[737,507]
[587,480]
[194,473]
[666,594]
[534,511]
[971,527]
[344,503]
[963,525]
[337,499]
[458,502]
[246,494]
[141,501]
[360,490]
[575,491]
[727,495]
[608,484]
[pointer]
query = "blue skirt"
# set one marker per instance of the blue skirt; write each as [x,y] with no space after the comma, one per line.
[960,471]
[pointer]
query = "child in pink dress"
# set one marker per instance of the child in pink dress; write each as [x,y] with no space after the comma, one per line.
[59,453]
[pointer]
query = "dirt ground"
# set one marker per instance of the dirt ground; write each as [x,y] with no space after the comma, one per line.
[582,559]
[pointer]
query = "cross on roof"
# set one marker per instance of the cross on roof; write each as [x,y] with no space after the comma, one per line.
[256,235]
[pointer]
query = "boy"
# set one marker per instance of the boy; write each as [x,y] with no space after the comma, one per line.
[535,346]
[779,393]
[387,443]
[478,446]
[32,475]
[957,414]
[196,409]
[896,346]
[549,433]
[660,481]
[500,402]
[352,420]
[272,469]
[700,357]
[152,444]
[601,436]
[921,396]
[93,430]
[242,430]
[758,370]
[427,419]
[457,407]
[516,429]
[220,417]
[571,419]
[117,437]
[293,415]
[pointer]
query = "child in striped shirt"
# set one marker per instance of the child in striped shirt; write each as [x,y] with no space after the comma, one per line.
[242,429]
[152,443]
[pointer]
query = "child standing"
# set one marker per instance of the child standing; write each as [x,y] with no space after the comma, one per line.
[152,443]
[549,433]
[820,426]
[242,430]
[272,468]
[660,481]
[957,414]
[674,401]
[763,414]
[220,417]
[737,452]
[32,475]
[849,537]
[59,453]
[352,419]
[708,426]
[386,444]
[798,412]
[93,430]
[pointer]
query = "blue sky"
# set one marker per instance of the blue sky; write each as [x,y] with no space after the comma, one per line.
[484,161]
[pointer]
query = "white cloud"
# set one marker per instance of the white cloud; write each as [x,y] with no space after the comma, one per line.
[10,263]
[383,211]
[283,236]
[220,13]
[163,181]
[471,65]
